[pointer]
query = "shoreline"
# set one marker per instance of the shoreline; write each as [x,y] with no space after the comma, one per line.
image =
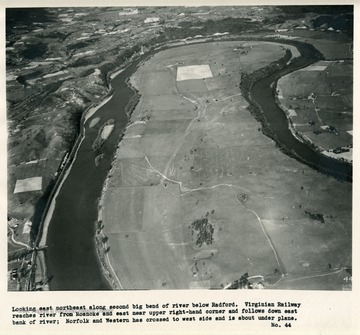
[92,110]
[116,73]
[40,242]
[101,241]
[100,238]
[302,137]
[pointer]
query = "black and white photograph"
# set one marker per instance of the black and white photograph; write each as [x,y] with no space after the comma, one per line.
[178,149]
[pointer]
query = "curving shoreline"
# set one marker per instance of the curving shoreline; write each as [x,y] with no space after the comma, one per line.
[260,92]
[302,137]
[100,239]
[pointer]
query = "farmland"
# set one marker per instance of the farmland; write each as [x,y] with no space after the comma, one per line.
[318,101]
[197,196]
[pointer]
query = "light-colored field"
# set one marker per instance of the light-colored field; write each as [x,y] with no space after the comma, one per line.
[18,206]
[28,185]
[197,155]
[55,74]
[193,72]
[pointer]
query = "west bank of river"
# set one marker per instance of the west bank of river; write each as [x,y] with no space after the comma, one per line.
[71,258]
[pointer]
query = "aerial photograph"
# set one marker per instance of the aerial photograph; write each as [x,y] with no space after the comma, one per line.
[179,147]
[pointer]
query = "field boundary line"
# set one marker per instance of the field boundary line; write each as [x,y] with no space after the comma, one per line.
[277,257]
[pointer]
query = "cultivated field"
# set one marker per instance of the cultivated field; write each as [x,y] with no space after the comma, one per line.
[198,196]
[318,100]
[28,185]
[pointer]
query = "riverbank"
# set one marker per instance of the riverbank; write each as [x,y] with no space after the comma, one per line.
[92,110]
[41,242]
[319,107]
[101,240]
[347,156]
[102,248]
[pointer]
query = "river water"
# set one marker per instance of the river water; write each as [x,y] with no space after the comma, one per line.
[71,256]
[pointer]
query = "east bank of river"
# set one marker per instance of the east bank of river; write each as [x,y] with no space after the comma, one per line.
[71,258]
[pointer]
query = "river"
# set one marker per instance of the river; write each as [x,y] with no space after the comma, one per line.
[71,257]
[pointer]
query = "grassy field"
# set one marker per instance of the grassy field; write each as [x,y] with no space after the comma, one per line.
[198,196]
